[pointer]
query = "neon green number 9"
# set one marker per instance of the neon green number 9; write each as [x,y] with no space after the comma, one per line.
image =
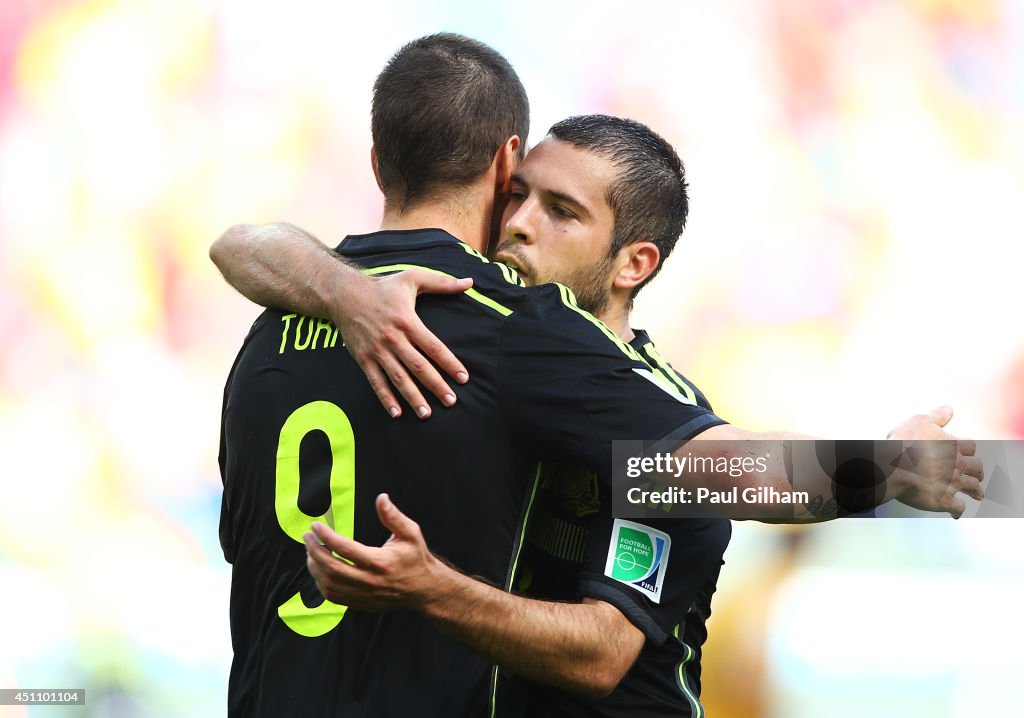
[328,418]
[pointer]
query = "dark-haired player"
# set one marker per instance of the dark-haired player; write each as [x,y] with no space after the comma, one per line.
[302,436]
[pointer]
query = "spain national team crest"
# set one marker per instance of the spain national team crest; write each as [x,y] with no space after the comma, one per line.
[575,488]
[638,557]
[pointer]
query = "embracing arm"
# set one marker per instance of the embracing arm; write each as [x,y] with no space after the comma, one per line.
[582,647]
[943,466]
[283,266]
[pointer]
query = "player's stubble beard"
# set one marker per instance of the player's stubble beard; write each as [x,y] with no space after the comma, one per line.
[591,283]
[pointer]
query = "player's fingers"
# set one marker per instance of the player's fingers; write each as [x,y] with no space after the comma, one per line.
[967,447]
[394,520]
[317,556]
[973,466]
[313,543]
[972,487]
[343,546]
[406,386]
[957,506]
[941,415]
[430,283]
[425,372]
[381,387]
[434,348]
[338,581]
[316,553]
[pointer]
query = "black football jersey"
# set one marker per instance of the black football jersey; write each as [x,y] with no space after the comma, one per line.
[304,439]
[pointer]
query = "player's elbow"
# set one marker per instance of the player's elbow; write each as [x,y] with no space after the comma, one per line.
[600,677]
[220,249]
[605,682]
[613,652]
[228,244]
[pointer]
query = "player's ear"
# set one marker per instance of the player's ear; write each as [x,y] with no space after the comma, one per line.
[376,167]
[506,159]
[636,262]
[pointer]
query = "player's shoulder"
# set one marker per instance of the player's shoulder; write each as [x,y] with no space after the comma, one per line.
[495,285]
[644,345]
[430,249]
[549,316]
[542,316]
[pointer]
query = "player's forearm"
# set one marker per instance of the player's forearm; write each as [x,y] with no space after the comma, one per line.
[580,647]
[282,266]
[786,482]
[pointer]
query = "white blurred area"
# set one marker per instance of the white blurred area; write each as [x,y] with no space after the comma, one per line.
[852,257]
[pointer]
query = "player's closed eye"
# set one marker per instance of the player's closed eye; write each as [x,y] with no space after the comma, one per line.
[562,212]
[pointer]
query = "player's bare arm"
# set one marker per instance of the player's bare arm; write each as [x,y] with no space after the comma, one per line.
[583,647]
[948,467]
[283,266]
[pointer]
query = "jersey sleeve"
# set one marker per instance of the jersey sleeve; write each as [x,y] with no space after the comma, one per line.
[693,549]
[570,387]
[654,596]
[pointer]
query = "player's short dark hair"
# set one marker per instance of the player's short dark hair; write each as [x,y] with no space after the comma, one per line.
[648,197]
[442,107]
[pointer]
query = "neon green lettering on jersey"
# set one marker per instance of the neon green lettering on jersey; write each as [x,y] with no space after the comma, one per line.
[298,333]
[325,326]
[287,319]
[331,420]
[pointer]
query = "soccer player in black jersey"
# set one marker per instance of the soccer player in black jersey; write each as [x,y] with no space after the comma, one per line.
[302,437]
[666,675]
[572,546]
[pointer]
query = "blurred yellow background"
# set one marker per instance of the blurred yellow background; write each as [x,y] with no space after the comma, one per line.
[852,257]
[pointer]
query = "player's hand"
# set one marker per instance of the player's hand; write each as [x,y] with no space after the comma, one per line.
[941,464]
[387,339]
[400,574]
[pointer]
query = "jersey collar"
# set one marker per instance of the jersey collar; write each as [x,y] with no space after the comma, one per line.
[395,240]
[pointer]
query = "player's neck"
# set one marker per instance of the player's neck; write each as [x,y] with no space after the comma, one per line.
[467,218]
[616,316]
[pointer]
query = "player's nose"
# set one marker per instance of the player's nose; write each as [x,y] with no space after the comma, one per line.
[520,226]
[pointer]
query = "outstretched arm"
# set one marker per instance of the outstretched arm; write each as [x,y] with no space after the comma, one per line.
[583,647]
[283,266]
[943,467]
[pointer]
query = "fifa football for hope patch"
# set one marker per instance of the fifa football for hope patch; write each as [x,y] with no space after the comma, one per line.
[638,557]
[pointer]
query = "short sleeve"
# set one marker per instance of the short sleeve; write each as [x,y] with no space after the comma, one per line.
[571,388]
[653,588]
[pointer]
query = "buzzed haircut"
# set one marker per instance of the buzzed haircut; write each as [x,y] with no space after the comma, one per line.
[442,107]
[648,196]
